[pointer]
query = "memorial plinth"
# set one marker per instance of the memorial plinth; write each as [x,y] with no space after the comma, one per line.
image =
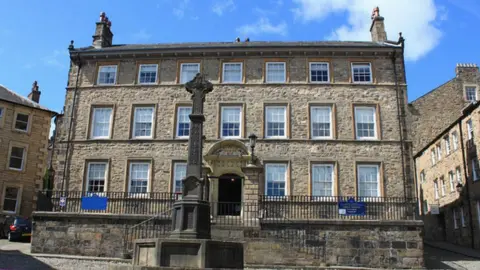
[190,244]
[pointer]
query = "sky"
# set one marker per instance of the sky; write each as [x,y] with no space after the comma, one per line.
[34,34]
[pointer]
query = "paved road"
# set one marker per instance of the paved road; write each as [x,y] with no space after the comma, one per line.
[442,259]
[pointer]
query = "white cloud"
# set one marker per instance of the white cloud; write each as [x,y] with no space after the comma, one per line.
[179,11]
[263,26]
[417,20]
[219,7]
[141,35]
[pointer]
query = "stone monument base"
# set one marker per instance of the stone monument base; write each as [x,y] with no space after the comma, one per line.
[188,253]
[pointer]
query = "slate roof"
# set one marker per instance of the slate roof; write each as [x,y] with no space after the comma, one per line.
[10,96]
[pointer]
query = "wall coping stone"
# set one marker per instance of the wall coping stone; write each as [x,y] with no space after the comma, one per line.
[341,222]
[41,214]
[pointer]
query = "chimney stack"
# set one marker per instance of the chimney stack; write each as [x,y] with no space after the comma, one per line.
[378,27]
[103,35]
[35,94]
[466,70]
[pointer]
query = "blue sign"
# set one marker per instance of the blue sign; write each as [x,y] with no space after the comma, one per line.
[63,201]
[351,208]
[94,203]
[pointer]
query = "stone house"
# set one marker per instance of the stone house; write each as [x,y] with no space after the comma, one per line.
[24,130]
[445,126]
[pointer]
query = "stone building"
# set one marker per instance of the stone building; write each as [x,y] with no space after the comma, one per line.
[445,131]
[24,130]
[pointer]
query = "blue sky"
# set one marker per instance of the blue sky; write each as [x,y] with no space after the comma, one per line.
[34,34]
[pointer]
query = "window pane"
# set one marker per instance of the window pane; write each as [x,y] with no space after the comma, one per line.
[10,199]
[232,72]
[368,181]
[319,72]
[180,171]
[101,122]
[1,112]
[96,177]
[16,158]
[471,93]
[107,74]
[275,72]
[143,122]
[361,73]
[365,122]
[148,74]
[231,119]
[321,122]
[139,176]
[322,180]
[188,72]
[183,121]
[21,122]
[276,176]
[275,121]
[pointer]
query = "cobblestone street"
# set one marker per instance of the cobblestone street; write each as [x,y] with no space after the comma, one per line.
[441,259]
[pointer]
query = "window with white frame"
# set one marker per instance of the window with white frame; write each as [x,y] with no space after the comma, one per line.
[455,140]
[143,122]
[444,187]
[17,158]
[361,72]
[179,173]
[455,223]
[433,156]
[470,129]
[321,122]
[139,177]
[435,189]
[276,72]
[276,121]
[471,93]
[147,73]
[475,169]
[439,152]
[232,72]
[11,198]
[422,177]
[368,180]
[276,179]
[462,217]
[22,121]
[231,121]
[101,119]
[365,123]
[183,121]
[458,175]
[451,179]
[319,72]
[107,75]
[446,139]
[188,71]
[323,180]
[96,177]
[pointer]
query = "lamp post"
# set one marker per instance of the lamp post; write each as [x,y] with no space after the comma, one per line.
[253,141]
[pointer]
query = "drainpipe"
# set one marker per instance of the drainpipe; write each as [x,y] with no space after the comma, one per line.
[79,64]
[470,216]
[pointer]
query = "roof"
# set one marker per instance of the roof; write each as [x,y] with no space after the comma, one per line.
[12,97]
[250,44]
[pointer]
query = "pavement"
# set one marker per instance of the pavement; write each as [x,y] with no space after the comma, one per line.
[440,255]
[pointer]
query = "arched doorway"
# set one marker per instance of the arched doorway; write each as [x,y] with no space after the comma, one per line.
[230,195]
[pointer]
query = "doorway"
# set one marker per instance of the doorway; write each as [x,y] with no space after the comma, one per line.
[229,195]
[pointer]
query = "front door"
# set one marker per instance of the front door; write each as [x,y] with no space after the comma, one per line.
[229,195]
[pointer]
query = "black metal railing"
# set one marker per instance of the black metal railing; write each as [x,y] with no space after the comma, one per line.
[317,207]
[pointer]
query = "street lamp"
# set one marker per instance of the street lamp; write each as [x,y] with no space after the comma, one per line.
[459,187]
[253,141]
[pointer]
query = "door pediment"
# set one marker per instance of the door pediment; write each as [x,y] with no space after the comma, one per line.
[228,149]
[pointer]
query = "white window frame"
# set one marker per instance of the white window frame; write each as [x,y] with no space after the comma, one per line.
[332,177]
[240,127]
[435,189]
[269,165]
[359,166]
[179,108]
[149,176]
[433,156]
[455,224]
[87,180]
[451,179]
[469,129]
[232,63]
[92,124]
[135,122]
[24,157]
[28,122]
[317,63]
[364,64]
[455,140]
[439,151]
[18,201]
[284,72]
[312,108]
[446,139]
[422,177]
[375,127]
[458,175]
[176,164]
[285,108]
[140,73]
[443,186]
[114,78]
[184,80]
[466,93]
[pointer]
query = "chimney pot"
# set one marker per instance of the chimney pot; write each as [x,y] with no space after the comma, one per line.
[103,36]
[35,93]
[377,29]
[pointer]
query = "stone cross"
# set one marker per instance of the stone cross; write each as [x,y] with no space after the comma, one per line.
[193,183]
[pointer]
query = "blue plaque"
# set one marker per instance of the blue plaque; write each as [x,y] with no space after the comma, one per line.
[94,203]
[351,208]
[63,201]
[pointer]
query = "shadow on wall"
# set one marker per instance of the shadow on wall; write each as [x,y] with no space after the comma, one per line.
[14,259]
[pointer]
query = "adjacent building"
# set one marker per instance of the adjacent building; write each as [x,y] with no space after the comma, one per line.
[445,131]
[24,131]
